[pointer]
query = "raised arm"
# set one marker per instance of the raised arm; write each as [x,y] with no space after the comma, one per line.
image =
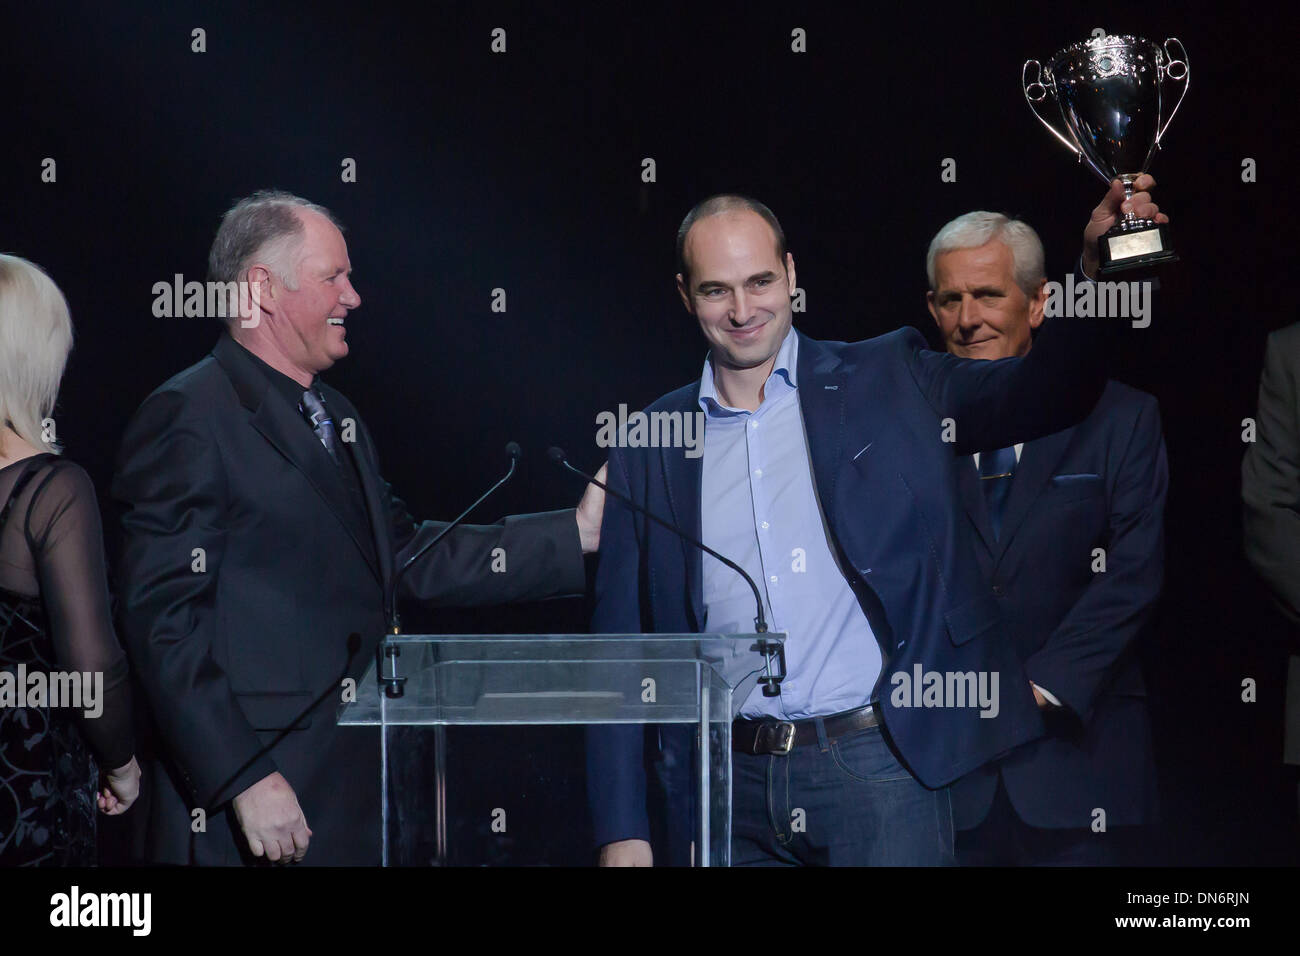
[997,404]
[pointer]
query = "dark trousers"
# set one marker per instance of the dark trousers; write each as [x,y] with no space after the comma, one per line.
[1003,839]
[846,802]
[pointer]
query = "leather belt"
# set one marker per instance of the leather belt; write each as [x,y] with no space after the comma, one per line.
[768,736]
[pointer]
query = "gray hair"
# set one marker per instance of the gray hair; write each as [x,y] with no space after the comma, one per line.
[263,227]
[35,339]
[974,229]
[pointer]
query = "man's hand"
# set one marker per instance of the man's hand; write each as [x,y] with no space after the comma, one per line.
[626,852]
[272,821]
[1108,212]
[590,510]
[121,787]
[1038,697]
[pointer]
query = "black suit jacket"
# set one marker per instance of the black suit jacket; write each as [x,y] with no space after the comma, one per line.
[245,568]
[1101,484]
[1270,491]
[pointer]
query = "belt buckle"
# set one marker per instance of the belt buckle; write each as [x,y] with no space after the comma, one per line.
[783,732]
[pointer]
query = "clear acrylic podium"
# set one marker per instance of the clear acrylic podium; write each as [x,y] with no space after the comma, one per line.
[437,681]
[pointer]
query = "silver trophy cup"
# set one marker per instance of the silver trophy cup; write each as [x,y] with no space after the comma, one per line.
[1110,97]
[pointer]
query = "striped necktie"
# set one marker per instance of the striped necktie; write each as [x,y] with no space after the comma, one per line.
[313,408]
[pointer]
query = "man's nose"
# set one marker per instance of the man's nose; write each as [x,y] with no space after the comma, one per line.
[350,298]
[740,309]
[967,313]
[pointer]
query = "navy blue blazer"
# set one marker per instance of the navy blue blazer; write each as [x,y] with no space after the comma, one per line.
[884,418]
[1101,484]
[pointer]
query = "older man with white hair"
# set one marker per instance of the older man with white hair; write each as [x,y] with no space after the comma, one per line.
[1070,540]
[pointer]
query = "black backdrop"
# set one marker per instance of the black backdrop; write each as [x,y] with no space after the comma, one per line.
[522,171]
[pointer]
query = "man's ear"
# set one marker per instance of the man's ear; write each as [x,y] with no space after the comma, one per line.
[261,288]
[934,309]
[1038,304]
[789,274]
[685,294]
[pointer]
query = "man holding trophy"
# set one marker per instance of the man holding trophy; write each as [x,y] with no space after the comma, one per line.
[841,450]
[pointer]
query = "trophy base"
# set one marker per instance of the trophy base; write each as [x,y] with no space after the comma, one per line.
[1121,249]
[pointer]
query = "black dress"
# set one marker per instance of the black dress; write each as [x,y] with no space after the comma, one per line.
[54,616]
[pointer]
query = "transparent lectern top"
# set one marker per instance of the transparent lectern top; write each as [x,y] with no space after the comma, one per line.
[558,678]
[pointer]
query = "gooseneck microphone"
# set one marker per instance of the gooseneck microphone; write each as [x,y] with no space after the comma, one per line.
[394,620]
[760,621]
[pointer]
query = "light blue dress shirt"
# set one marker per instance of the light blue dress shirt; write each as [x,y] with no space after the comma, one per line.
[759,507]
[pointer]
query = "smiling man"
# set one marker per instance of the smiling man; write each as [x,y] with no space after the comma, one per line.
[828,474]
[1070,540]
[259,535]
[987,299]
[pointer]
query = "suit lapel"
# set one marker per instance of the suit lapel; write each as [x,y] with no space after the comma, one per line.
[378,517]
[379,542]
[1038,460]
[973,500]
[823,400]
[683,478]
[279,425]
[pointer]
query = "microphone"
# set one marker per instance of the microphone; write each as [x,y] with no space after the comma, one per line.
[354,645]
[760,621]
[773,653]
[394,620]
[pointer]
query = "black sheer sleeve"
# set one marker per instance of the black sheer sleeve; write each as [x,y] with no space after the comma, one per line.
[65,537]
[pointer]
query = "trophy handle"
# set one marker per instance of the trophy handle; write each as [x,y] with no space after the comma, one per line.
[1036,92]
[1175,69]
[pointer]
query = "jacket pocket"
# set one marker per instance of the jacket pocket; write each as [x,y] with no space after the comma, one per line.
[972,618]
[1074,487]
[275,711]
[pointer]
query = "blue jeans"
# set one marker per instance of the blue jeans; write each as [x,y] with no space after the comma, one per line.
[842,802]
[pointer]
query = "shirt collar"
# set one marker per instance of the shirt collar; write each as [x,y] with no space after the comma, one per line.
[787,363]
[282,383]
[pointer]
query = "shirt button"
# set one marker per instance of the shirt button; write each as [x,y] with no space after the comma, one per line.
[774,579]
[764,526]
[997,589]
[758,472]
[753,424]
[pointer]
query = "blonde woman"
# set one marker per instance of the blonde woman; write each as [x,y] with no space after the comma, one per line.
[54,606]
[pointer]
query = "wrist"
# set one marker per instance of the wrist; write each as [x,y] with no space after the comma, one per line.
[126,768]
[1089,264]
[588,537]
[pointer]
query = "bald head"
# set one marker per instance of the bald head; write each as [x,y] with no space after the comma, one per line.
[721,204]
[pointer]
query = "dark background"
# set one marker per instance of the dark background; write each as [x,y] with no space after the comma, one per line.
[523,171]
